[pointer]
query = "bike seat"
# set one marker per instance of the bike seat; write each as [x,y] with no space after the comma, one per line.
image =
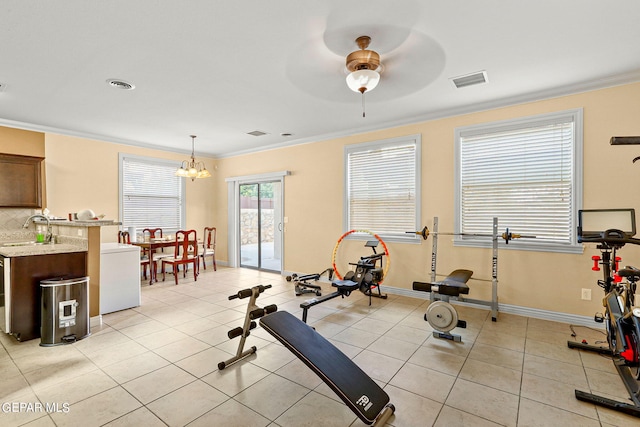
[631,273]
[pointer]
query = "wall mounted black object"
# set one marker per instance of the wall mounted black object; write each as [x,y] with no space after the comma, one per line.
[625,140]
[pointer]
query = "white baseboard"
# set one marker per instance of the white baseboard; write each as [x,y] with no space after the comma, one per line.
[536,313]
[555,316]
[95,321]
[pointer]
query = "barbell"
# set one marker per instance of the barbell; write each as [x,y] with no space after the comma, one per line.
[506,236]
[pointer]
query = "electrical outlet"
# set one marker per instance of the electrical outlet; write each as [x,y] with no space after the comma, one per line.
[80,235]
[586,294]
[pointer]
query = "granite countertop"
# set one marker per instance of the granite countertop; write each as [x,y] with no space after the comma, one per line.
[62,245]
[40,249]
[78,223]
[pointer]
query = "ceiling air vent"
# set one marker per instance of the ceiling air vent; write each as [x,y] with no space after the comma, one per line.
[256,133]
[470,79]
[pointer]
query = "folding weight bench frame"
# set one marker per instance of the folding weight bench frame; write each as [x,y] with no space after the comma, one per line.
[356,389]
[452,286]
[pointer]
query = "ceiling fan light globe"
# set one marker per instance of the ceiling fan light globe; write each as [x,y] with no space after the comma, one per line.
[359,79]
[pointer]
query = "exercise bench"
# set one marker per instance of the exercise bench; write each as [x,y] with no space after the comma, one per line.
[253,312]
[356,389]
[441,315]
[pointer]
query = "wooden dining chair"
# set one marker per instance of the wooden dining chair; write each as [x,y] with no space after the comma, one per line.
[124,237]
[158,254]
[154,233]
[209,247]
[185,253]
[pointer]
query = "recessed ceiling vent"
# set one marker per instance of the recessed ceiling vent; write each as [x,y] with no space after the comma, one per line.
[120,84]
[256,133]
[470,79]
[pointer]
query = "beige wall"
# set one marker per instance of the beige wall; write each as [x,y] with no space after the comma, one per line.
[547,281]
[83,174]
[22,142]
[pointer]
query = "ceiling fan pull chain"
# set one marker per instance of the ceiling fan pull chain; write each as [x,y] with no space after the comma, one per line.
[363,115]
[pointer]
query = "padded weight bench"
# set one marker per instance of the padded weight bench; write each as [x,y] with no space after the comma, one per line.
[441,315]
[356,389]
[453,285]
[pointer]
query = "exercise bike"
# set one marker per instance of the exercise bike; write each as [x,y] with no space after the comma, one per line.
[621,317]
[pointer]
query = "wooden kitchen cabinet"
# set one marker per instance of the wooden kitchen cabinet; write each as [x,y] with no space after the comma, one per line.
[26,273]
[21,181]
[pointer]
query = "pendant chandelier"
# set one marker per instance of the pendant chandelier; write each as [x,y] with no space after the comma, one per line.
[191,168]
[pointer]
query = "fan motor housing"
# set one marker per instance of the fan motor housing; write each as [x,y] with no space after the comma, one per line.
[363,59]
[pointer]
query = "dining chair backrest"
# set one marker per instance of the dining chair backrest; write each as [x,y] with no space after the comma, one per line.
[123,237]
[186,244]
[209,242]
[153,232]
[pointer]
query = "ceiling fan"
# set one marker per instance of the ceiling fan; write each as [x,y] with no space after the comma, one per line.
[364,68]
[400,62]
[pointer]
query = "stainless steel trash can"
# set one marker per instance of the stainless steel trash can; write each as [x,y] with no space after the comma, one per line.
[65,310]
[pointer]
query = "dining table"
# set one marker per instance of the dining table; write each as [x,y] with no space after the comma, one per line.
[153,244]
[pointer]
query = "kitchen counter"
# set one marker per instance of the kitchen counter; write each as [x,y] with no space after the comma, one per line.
[79,223]
[40,249]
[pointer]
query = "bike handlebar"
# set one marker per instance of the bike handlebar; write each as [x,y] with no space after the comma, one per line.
[610,237]
[372,257]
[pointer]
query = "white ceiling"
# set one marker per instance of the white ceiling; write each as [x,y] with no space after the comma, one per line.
[220,69]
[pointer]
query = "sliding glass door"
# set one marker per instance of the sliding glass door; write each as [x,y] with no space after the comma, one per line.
[260,225]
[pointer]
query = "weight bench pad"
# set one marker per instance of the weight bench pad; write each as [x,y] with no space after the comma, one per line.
[452,285]
[356,389]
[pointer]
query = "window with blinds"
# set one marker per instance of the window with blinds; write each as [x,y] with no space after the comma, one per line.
[525,172]
[382,187]
[150,194]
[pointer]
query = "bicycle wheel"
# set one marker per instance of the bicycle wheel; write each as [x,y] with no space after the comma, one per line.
[634,343]
[611,333]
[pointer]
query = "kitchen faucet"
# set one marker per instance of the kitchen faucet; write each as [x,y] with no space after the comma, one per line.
[47,237]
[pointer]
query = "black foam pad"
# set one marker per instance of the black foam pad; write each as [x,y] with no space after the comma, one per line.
[356,389]
[452,285]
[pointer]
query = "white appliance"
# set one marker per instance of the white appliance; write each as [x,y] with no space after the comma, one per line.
[119,277]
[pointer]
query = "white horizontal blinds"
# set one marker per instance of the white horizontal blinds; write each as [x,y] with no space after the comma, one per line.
[382,189]
[152,195]
[524,176]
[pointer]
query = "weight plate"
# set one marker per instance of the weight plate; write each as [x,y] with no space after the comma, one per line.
[442,316]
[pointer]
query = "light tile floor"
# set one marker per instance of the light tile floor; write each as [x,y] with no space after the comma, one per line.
[156,365]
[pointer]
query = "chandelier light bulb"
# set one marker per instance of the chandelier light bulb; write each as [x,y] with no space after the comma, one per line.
[191,168]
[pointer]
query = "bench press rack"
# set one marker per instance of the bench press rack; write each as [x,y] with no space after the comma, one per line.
[493,304]
[506,236]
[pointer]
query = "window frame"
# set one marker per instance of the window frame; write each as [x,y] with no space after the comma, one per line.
[415,139]
[577,184]
[122,157]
